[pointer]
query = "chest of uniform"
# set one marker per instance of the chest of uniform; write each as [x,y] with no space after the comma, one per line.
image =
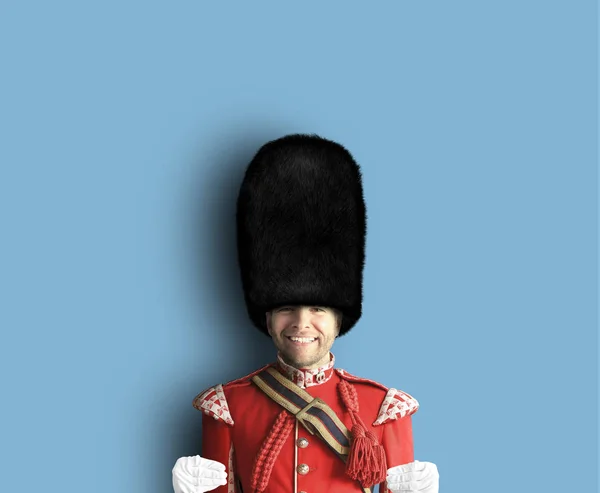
[304,463]
[304,460]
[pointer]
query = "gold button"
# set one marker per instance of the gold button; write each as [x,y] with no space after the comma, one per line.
[303,469]
[302,442]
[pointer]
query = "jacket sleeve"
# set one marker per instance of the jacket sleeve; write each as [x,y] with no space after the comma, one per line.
[217,445]
[398,444]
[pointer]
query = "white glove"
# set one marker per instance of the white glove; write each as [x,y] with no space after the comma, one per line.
[197,475]
[421,477]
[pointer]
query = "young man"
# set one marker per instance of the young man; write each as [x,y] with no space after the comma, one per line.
[300,424]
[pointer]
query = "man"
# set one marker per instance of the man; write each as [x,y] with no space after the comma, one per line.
[300,424]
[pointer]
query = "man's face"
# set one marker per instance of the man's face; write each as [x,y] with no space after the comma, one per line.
[303,334]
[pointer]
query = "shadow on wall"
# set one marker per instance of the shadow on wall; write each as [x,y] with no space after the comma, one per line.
[236,348]
[214,273]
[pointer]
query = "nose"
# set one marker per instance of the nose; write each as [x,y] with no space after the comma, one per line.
[302,317]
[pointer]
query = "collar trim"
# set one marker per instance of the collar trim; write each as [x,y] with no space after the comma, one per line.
[304,378]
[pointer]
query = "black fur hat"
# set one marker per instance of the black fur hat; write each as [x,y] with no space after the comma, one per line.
[301,226]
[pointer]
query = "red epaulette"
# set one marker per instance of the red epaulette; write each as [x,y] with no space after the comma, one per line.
[212,401]
[396,403]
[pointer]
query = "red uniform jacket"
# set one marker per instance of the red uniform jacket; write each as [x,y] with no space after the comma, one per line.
[238,417]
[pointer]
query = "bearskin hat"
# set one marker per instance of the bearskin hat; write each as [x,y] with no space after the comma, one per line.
[301,227]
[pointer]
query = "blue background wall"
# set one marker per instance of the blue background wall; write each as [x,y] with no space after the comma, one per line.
[125,130]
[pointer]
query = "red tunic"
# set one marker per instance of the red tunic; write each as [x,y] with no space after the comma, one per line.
[243,416]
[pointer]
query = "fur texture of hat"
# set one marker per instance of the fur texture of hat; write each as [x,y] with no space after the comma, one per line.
[301,227]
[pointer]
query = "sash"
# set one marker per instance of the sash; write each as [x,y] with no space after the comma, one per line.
[312,413]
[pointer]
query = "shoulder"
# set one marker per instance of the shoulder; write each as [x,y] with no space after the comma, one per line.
[354,379]
[213,402]
[395,403]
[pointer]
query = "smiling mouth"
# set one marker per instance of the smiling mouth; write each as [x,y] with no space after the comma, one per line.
[302,340]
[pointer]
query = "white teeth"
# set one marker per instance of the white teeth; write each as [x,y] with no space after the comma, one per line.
[302,339]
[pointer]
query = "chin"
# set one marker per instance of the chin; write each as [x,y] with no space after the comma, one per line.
[293,361]
[304,362]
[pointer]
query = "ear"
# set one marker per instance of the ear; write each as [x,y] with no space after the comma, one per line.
[268,315]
